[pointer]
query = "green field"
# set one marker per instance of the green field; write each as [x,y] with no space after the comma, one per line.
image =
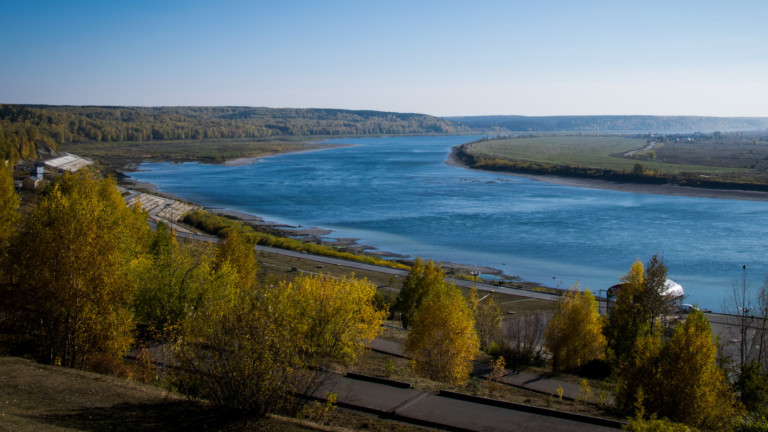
[601,152]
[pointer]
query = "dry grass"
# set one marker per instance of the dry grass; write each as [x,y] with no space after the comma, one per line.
[36,397]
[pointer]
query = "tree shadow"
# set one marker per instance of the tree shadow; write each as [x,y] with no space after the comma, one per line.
[164,416]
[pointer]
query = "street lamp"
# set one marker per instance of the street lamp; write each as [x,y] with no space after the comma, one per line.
[744,311]
[169,218]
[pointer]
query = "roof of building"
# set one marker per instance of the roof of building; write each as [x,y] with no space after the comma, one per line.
[69,162]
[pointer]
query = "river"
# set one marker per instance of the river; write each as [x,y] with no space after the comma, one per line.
[398,195]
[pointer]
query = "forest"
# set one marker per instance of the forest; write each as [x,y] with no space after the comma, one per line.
[23,128]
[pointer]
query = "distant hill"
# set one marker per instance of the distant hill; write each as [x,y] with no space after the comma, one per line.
[25,128]
[605,124]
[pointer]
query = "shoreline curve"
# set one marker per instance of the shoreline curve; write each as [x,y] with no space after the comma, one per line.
[653,189]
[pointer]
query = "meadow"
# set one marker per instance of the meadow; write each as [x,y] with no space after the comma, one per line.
[588,151]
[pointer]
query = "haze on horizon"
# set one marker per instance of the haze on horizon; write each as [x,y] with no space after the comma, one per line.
[444,58]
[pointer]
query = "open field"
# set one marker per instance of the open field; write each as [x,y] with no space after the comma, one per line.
[605,152]
[118,154]
[734,161]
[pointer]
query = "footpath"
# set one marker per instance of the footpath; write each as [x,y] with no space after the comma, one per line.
[537,383]
[451,411]
[454,411]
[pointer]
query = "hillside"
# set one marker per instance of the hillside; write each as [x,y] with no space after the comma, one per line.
[606,124]
[25,128]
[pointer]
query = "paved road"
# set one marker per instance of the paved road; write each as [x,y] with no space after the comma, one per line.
[440,411]
[381,269]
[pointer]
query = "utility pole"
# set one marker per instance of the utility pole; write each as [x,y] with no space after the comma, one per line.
[744,311]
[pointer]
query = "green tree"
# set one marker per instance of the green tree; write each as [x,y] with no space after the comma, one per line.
[574,334]
[752,385]
[171,282]
[78,246]
[442,341]
[421,280]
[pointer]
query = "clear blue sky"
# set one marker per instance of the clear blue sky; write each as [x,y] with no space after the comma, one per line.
[436,57]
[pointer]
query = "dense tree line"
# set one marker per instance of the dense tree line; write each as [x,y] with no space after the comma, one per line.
[25,127]
[83,279]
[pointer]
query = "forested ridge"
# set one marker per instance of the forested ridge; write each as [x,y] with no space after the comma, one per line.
[26,127]
[618,123]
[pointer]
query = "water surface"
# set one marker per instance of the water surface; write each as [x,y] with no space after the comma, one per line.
[398,195]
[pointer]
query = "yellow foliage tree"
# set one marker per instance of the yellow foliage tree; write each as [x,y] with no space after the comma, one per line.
[442,340]
[574,335]
[9,216]
[78,245]
[626,322]
[679,377]
[421,280]
[339,316]
[236,250]
[256,350]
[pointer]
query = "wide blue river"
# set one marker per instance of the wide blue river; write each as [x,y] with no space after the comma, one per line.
[398,195]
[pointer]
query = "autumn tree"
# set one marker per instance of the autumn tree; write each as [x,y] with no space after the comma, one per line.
[488,317]
[679,377]
[442,340]
[236,250]
[171,282]
[574,335]
[626,321]
[9,216]
[421,280]
[79,243]
[641,304]
[654,300]
[256,350]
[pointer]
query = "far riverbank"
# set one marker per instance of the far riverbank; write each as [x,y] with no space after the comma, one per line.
[644,188]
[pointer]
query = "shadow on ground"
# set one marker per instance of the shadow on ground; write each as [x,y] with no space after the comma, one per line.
[169,416]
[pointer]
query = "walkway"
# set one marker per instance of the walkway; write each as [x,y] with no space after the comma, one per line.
[453,411]
[528,381]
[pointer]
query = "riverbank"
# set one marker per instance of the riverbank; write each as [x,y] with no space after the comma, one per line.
[643,188]
[324,236]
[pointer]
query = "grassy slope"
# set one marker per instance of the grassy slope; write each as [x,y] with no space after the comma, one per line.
[585,151]
[36,397]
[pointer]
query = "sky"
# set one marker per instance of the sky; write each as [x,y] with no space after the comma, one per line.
[444,58]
